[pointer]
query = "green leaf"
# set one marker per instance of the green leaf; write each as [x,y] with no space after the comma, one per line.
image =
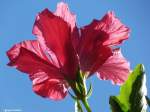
[78,107]
[132,93]
[115,107]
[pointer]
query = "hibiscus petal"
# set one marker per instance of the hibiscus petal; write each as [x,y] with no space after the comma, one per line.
[28,62]
[109,31]
[51,88]
[115,30]
[64,12]
[55,33]
[92,53]
[38,69]
[97,37]
[92,59]
[89,38]
[31,45]
[116,68]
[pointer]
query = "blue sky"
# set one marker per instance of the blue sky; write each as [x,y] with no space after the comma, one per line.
[16,22]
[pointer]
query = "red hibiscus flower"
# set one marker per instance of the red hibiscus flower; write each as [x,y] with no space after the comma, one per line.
[61,48]
[51,59]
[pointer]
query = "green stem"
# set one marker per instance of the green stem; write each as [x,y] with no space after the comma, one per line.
[86,104]
[84,100]
[80,90]
[78,107]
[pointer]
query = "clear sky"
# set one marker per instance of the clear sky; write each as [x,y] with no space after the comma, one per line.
[16,22]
